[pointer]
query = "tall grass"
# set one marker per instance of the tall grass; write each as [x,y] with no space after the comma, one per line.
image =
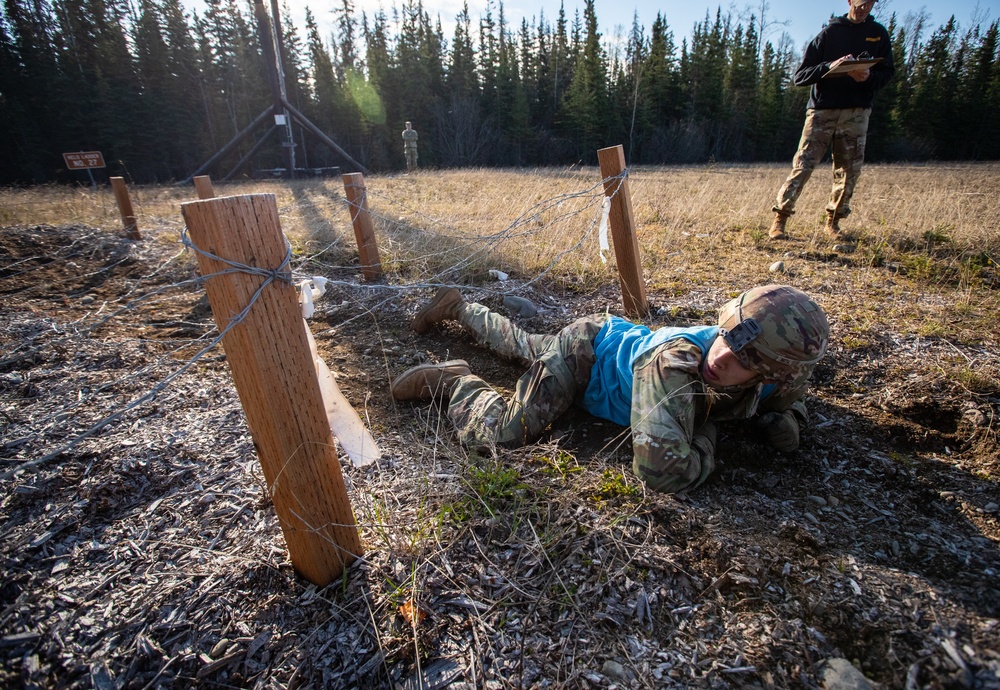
[928,236]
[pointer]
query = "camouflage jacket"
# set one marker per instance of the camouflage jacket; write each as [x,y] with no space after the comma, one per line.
[673,411]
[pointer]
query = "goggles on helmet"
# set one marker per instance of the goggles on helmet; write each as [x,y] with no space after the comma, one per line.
[741,335]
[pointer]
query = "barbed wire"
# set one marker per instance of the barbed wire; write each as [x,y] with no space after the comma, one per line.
[470,247]
[269,275]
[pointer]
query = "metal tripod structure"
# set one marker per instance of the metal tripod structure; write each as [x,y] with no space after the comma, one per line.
[282,112]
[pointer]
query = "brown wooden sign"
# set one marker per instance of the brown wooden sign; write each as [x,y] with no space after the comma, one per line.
[82,160]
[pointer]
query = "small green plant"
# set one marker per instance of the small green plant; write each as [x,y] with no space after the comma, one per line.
[495,482]
[977,381]
[875,253]
[939,234]
[495,489]
[985,475]
[614,485]
[903,459]
[399,593]
[457,511]
[920,266]
[930,328]
[562,464]
[758,235]
[851,342]
[970,271]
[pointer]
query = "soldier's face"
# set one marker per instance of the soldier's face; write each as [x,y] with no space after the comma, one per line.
[721,368]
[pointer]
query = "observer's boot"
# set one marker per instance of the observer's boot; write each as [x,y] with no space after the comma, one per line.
[428,381]
[443,307]
[833,227]
[777,231]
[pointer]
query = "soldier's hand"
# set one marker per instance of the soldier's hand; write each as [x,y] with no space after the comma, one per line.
[781,429]
[704,438]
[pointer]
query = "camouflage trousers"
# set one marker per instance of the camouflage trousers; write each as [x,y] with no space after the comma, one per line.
[558,373]
[411,157]
[844,130]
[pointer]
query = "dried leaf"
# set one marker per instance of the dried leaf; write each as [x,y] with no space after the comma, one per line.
[412,614]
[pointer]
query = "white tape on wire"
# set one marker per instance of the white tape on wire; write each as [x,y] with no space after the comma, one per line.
[309,290]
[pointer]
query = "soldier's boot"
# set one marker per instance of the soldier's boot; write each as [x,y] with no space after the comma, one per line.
[428,381]
[833,229]
[443,307]
[777,231]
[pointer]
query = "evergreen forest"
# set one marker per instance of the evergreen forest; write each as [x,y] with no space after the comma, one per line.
[159,89]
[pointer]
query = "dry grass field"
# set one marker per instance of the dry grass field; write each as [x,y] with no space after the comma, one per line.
[140,548]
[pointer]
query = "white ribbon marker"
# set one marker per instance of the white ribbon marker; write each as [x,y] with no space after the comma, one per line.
[602,233]
[345,423]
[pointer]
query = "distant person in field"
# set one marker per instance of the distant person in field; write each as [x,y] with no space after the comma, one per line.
[838,111]
[670,385]
[410,147]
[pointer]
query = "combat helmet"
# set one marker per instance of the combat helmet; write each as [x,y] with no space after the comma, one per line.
[777,331]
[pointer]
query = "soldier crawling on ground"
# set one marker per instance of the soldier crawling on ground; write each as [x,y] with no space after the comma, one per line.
[670,385]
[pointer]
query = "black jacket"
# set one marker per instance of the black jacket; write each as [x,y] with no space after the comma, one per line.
[839,38]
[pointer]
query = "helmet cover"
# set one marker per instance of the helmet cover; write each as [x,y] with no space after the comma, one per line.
[777,331]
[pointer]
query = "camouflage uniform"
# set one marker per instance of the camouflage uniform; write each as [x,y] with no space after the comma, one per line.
[410,147]
[559,370]
[845,129]
[672,410]
[673,415]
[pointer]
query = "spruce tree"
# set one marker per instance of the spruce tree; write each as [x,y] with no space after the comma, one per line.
[930,108]
[975,118]
[29,82]
[584,115]
[512,111]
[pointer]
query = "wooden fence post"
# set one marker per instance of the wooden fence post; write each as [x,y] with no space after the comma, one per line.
[268,354]
[125,208]
[203,185]
[622,221]
[364,229]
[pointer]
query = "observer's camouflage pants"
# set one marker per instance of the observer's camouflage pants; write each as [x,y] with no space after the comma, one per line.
[845,129]
[411,157]
[558,372]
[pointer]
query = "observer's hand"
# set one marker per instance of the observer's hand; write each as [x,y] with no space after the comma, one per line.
[839,61]
[860,75]
[781,429]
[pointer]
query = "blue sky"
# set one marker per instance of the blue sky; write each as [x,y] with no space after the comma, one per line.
[799,19]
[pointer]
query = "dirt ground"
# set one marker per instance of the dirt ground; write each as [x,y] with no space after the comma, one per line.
[147,553]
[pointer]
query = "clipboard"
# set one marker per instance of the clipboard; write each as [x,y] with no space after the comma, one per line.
[851,65]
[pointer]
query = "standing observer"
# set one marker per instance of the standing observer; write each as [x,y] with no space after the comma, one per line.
[838,110]
[410,147]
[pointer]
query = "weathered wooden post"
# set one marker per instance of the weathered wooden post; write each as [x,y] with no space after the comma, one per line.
[125,208]
[268,354]
[364,229]
[203,185]
[622,221]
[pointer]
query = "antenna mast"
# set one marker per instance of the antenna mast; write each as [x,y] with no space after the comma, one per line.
[282,112]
